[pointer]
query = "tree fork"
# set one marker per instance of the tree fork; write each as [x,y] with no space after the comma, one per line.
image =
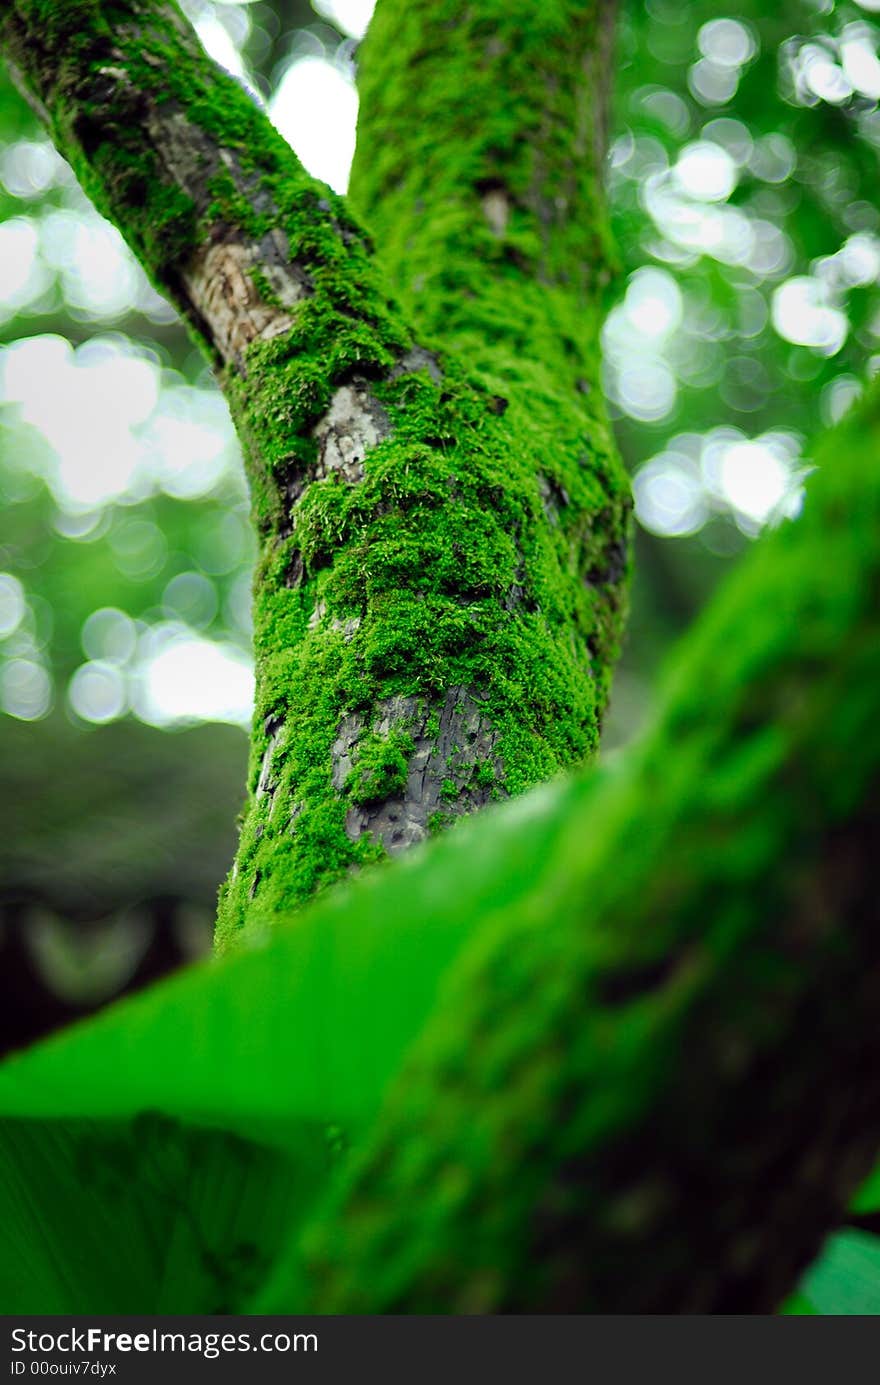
[443,539]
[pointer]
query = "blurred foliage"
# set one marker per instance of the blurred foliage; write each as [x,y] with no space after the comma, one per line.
[122,813]
[742,182]
[112,841]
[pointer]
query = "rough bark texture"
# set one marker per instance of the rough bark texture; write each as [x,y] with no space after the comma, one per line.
[652,1085]
[441,535]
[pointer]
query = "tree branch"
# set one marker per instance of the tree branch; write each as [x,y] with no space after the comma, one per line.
[651,1086]
[480,166]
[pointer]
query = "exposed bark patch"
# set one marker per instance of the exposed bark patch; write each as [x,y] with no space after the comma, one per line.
[612,566]
[223,292]
[496,210]
[184,150]
[289,283]
[516,592]
[554,498]
[317,615]
[353,424]
[450,744]
[266,782]
[348,628]
[296,568]
[221,281]
[250,185]
[417,358]
[344,751]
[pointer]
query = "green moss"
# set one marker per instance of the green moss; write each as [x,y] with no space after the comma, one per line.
[484,775]
[490,214]
[381,769]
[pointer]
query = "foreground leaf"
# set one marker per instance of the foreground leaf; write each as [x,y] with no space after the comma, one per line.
[151,1158]
[846,1277]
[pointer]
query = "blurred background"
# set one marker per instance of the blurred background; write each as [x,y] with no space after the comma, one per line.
[742,174]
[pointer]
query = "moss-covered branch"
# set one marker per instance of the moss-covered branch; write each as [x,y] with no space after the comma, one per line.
[443,538]
[480,168]
[652,1084]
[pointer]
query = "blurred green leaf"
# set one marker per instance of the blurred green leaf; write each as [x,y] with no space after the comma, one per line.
[146,1147]
[868,1196]
[143,1216]
[845,1280]
[797,1306]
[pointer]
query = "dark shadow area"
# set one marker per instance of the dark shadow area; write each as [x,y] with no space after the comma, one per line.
[113,841]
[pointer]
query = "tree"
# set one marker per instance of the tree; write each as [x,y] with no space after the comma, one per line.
[401,670]
[443,558]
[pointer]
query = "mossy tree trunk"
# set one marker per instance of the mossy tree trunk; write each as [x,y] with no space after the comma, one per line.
[441,517]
